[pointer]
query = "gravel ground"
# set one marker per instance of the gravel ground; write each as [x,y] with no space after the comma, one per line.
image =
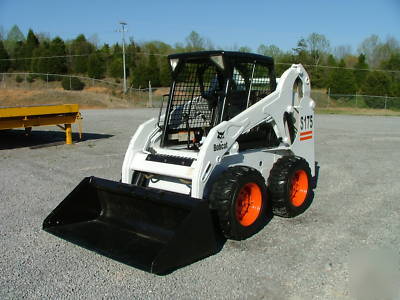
[356,207]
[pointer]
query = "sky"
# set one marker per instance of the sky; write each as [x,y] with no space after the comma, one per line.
[226,23]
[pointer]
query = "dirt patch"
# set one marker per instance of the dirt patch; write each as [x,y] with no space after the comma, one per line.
[89,98]
[161,91]
[98,89]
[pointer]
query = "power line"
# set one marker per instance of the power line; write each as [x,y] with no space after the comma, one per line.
[345,68]
[43,57]
[70,55]
[165,55]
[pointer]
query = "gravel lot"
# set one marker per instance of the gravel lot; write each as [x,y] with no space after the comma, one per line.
[356,207]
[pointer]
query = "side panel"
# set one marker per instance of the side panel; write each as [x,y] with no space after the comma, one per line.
[262,161]
[223,136]
[303,145]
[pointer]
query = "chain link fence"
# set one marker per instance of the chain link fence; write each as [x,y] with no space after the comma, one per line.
[152,97]
[143,97]
[332,101]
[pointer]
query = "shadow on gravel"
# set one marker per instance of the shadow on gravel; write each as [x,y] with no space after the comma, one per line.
[314,180]
[16,138]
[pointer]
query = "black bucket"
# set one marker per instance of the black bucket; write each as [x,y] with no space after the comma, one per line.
[154,230]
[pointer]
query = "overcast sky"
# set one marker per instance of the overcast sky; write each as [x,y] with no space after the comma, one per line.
[225,23]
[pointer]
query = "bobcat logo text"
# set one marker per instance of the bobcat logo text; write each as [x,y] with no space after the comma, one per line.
[220,146]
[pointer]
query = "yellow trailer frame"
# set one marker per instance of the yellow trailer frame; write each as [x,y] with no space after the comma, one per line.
[41,115]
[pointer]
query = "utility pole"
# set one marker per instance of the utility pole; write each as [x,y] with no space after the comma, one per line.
[123,30]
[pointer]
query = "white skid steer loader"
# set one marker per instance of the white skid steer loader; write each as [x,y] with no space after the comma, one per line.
[231,143]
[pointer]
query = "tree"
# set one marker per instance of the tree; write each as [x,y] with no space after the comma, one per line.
[244,49]
[31,44]
[331,61]
[4,62]
[328,72]
[131,51]
[317,76]
[116,68]
[208,44]
[271,50]
[19,55]
[360,74]
[194,42]
[301,52]
[96,66]
[368,48]
[376,84]
[312,51]
[384,51]
[43,65]
[284,62]
[165,73]
[58,64]
[82,48]
[13,37]
[350,60]
[106,50]
[43,37]
[153,70]
[94,40]
[117,50]
[2,33]
[342,51]
[376,51]
[318,45]
[393,63]
[342,81]
[139,75]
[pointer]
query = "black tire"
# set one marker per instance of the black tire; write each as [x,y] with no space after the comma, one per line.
[287,171]
[230,190]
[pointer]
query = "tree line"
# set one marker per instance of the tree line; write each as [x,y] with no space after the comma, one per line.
[335,69]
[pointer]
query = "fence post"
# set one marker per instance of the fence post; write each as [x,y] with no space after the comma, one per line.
[150,104]
[356,99]
[329,97]
[4,81]
[47,80]
[385,101]
[70,83]
[26,81]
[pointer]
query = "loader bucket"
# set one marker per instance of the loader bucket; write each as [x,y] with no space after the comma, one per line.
[154,230]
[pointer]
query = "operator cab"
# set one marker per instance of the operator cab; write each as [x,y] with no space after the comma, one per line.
[209,87]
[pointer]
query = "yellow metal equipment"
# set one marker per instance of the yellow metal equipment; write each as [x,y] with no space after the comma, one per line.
[41,115]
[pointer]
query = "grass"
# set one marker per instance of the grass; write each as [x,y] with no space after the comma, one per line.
[347,105]
[357,111]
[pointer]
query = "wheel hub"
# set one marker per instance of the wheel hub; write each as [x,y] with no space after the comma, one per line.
[248,204]
[299,188]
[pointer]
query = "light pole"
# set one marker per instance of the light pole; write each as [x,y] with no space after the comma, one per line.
[123,30]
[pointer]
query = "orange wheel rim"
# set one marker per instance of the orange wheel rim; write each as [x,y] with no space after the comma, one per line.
[248,204]
[299,188]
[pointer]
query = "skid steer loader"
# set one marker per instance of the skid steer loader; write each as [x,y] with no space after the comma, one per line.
[230,141]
